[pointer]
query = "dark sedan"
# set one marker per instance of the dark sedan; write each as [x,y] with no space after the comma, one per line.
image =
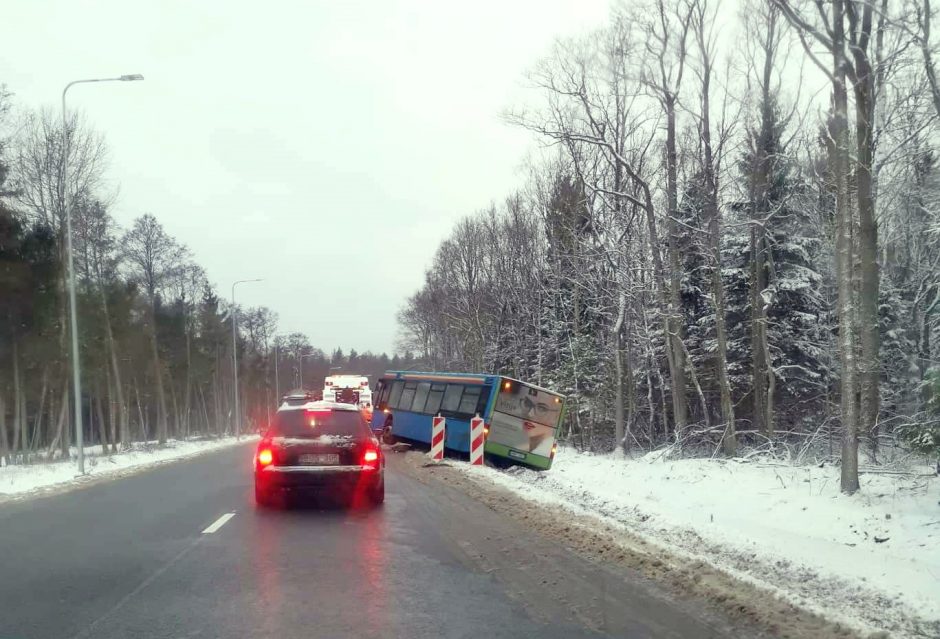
[319,449]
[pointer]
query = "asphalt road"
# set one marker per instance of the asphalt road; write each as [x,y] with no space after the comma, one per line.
[128,558]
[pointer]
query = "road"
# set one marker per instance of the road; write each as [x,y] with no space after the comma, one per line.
[129,558]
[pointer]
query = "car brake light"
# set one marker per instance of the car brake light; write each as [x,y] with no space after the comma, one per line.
[265,457]
[370,457]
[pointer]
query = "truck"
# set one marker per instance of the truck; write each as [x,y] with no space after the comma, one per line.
[348,389]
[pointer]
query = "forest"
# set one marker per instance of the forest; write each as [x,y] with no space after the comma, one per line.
[730,236]
[156,337]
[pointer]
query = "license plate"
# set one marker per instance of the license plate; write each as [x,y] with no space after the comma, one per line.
[319,459]
[516,454]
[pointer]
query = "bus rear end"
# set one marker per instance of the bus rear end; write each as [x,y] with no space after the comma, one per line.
[523,424]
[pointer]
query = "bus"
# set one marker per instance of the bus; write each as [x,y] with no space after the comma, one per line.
[521,420]
[347,389]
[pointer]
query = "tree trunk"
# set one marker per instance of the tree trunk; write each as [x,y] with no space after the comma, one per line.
[619,435]
[5,456]
[18,417]
[65,427]
[33,444]
[631,398]
[758,331]
[144,427]
[102,424]
[115,371]
[771,375]
[60,434]
[188,398]
[924,347]
[158,378]
[869,361]
[674,327]
[112,410]
[839,133]
[729,438]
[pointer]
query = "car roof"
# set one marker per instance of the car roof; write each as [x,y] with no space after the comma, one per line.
[318,405]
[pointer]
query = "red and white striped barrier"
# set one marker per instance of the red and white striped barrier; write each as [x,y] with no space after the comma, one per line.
[437,438]
[477,439]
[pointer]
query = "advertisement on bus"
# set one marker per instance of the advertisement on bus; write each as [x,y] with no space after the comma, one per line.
[525,418]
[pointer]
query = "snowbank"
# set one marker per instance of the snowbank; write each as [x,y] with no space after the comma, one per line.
[871,560]
[17,480]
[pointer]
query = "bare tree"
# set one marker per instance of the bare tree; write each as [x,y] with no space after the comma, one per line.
[833,37]
[153,257]
[702,25]
[667,33]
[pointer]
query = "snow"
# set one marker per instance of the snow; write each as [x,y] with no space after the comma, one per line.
[871,560]
[25,479]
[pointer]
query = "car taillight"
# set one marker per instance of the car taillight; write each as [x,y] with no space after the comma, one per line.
[265,457]
[370,457]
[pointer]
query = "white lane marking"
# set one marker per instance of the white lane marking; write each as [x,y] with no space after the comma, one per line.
[218,523]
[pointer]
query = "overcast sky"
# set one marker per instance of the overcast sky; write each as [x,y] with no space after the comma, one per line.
[326,146]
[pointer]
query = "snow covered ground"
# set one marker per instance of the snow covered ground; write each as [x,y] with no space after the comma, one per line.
[33,478]
[870,561]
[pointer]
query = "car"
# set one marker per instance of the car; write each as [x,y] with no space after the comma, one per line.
[319,449]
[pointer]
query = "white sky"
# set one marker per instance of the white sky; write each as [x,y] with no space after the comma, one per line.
[326,146]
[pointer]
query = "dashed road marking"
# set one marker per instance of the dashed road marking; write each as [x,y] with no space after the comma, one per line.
[218,523]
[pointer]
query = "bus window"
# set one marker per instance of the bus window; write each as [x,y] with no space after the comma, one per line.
[384,389]
[421,396]
[452,398]
[468,403]
[407,396]
[395,393]
[434,399]
[484,400]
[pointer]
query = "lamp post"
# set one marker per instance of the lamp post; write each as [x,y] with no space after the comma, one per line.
[73,313]
[238,420]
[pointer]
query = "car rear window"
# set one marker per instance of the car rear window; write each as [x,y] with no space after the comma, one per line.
[309,423]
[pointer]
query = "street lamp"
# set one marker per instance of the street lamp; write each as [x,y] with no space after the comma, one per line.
[73,313]
[238,420]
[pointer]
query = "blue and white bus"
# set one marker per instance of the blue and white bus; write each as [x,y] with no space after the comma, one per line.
[521,420]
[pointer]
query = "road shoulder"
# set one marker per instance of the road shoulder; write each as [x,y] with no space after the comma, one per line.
[747,607]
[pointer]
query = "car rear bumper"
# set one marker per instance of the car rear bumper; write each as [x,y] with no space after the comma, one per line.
[318,478]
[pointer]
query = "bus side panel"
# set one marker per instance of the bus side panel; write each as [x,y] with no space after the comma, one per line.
[411,426]
[378,421]
[418,428]
[457,436]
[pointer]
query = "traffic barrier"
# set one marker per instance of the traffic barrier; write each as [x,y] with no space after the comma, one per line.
[438,428]
[477,439]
